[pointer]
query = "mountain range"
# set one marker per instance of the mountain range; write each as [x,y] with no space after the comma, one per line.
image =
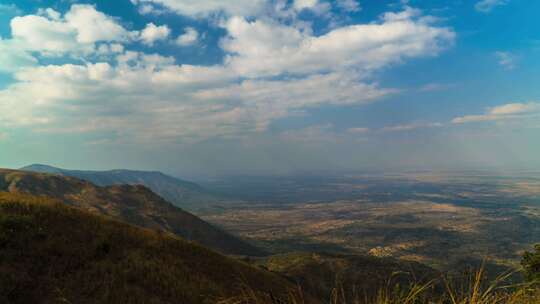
[181,193]
[134,204]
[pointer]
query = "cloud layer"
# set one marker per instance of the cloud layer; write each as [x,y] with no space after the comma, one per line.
[272,70]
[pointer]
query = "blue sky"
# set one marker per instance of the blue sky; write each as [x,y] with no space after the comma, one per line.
[207,87]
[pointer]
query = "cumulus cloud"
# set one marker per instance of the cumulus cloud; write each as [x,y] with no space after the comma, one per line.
[152,33]
[486,6]
[509,111]
[265,48]
[162,94]
[271,70]
[76,32]
[189,37]
[37,33]
[92,26]
[13,58]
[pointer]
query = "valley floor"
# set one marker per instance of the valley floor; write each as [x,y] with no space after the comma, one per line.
[440,220]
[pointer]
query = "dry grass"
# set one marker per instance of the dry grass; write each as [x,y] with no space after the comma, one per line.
[473,289]
[54,253]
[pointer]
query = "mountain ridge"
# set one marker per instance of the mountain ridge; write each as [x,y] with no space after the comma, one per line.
[182,193]
[134,204]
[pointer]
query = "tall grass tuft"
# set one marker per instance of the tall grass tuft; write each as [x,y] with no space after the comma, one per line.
[474,288]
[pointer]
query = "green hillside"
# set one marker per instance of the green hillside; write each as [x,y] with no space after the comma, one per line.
[133,204]
[53,253]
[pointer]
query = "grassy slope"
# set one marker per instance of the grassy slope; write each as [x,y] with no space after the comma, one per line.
[181,193]
[133,204]
[53,253]
[319,274]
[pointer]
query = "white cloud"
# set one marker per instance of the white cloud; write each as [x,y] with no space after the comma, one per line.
[145,96]
[76,32]
[92,26]
[316,6]
[109,49]
[509,111]
[267,100]
[271,71]
[173,101]
[150,9]
[410,127]
[49,13]
[506,59]
[13,58]
[152,33]
[267,48]
[514,108]
[37,33]
[303,4]
[204,8]
[486,6]
[189,37]
[349,5]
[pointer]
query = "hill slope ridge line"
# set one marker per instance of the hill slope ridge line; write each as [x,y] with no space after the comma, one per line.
[134,204]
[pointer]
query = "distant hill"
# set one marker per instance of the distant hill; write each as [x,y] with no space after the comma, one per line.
[136,205]
[181,193]
[54,253]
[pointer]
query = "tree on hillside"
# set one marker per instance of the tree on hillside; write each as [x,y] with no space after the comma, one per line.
[531,264]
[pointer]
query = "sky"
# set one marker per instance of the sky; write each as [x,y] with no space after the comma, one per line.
[210,88]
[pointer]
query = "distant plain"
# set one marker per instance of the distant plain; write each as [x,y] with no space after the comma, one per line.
[445,220]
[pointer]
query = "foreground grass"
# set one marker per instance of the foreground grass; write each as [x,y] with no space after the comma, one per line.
[473,289]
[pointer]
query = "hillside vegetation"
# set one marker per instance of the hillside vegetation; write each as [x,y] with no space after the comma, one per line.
[54,253]
[320,273]
[134,204]
[181,193]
